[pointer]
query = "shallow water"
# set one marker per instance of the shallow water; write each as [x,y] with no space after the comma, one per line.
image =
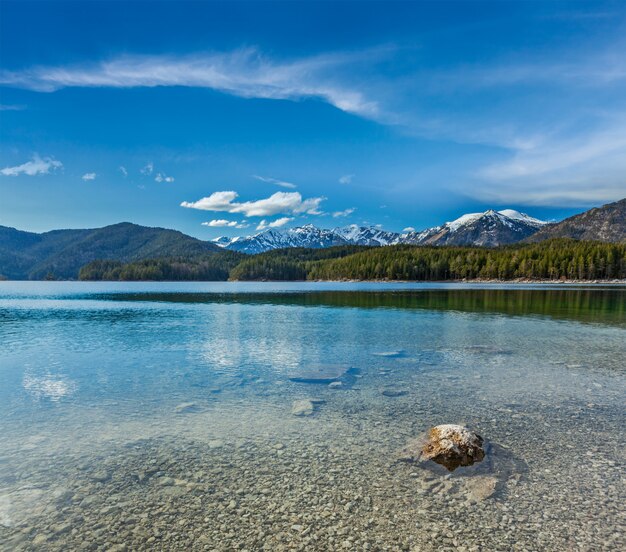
[158,416]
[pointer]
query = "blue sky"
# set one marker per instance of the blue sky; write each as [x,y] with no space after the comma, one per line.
[246,115]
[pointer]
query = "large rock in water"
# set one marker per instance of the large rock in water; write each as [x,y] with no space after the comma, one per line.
[449,445]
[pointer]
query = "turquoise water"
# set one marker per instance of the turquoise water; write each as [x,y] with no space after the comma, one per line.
[159,416]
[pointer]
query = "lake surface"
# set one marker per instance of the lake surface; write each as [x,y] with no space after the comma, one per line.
[159,416]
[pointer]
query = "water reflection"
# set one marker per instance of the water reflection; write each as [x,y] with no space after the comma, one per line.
[48,386]
[602,305]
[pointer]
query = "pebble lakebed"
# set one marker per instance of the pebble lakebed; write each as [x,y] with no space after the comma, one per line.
[227,473]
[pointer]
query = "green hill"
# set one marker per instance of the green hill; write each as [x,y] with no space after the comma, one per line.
[60,254]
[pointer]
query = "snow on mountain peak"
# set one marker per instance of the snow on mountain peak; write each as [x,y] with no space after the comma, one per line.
[463,220]
[516,215]
[488,228]
[505,216]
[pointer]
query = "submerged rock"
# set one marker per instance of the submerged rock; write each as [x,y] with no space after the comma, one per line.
[481,487]
[394,392]
[448,445]
[101,476]
[305,407]
[389,354]
[324,373]
[186,407]
[488,350]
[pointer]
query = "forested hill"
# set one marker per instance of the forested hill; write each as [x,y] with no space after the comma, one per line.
[606,223]
[551,259]
[60,254]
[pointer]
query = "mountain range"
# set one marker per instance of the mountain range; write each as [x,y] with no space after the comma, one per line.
[60,254]
[488,229]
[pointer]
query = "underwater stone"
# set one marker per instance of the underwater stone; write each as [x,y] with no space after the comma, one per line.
[449,445]
[389,354]
[302,407]
[394,392]
[183,408]
[481,488]
[305,407]
[101,476]
[326,373]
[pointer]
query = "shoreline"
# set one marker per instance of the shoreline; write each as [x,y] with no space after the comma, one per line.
[349,281]
[479,281]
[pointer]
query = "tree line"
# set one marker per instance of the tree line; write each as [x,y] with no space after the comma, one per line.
[207,268]
[551,259]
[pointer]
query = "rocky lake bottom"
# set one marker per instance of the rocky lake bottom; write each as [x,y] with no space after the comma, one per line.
[265,459]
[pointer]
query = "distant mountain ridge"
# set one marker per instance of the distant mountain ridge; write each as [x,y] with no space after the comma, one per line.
[606,223]
[490,228]
[308,236]
[61,253]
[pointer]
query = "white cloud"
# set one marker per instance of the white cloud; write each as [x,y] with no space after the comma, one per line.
[274,181]
[274,224]
[123,170]
[220,223]
[161,177]
[89,176]
[148,169]
[279,203]
[244,72]
[344,213]
[549,156]
[7,107]
[35,166]
[409,229]
[559,171]
[346,179]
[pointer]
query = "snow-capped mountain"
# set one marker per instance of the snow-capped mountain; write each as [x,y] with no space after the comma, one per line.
[489,229]
[301,236]
[367,235]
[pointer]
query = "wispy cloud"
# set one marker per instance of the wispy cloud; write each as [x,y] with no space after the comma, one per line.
[162,177]
[269,180]
[123,170]
[147,169]
[589,70]
[244,72]
[263,225]
[344,213]
[408,229]
[9,107]
[89,176]
[576,170]
[279,203]
[346,179]
[558,154]
[37,165]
